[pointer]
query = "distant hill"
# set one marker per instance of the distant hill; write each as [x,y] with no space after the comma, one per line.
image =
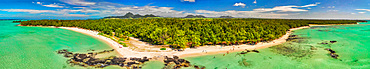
[226,17]
[196,16]
[131,15]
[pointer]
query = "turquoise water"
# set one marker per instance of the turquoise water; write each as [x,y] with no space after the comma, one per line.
[34,47]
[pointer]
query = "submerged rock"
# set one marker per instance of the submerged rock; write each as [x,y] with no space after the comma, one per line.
[90,60]
[178,63]
[332,53]
[246,51]
[244,62]
[333,41]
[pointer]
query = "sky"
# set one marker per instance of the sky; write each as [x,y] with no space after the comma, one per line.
[92,9]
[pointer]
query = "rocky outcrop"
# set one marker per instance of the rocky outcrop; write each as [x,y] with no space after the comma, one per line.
[246,51]
[332,53]
[90,60]
[177,61]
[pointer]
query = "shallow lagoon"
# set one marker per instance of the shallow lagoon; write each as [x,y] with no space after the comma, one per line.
[34,47]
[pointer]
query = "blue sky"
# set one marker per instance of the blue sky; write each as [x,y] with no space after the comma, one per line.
[85,9]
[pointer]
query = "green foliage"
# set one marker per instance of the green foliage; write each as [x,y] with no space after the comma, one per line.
[123,44]
[163,49]
[179,32]
[100,34]
[122,39]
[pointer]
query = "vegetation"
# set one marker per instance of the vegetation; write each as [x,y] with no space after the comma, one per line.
[181,33]
[163,49]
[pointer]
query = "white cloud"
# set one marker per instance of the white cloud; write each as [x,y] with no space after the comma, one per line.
[332,10]
[65,12]
[79,10]
[188,0]
[240,4]
[38,3]
[281,9]
[274,12]
[28,10]
[331,6]
[76,15]
[285,8]
[363,9]
[239,13]
[361,12]
[161,11]
[65,15]
[53,5]
[78,2]
[353,13]
[311,5]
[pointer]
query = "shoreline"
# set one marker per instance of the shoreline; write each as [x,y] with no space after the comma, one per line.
[330,24]
[188,52]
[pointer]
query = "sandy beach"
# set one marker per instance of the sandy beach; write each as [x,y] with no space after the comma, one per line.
[188,52]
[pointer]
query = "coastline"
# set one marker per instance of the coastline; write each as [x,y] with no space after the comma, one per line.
[188,52]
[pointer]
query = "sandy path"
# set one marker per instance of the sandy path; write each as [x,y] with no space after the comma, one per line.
[204,50]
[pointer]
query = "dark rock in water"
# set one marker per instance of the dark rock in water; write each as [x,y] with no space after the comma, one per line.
[175,57]
[195,66]
[90,60]
[181,60]
[293,35]
[330,50]
[175,60]
[256,51]
[332,53]
[324,43]
[333,41]
[243,52]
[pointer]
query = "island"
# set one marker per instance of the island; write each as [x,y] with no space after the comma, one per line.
[157,38]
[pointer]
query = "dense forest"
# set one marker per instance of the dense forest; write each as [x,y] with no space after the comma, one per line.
[181,33]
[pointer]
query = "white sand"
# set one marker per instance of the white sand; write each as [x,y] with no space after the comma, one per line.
[204,50]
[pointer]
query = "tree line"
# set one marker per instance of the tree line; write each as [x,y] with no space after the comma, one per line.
[182,33]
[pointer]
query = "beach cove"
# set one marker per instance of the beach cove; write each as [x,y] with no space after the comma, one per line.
[188,52]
